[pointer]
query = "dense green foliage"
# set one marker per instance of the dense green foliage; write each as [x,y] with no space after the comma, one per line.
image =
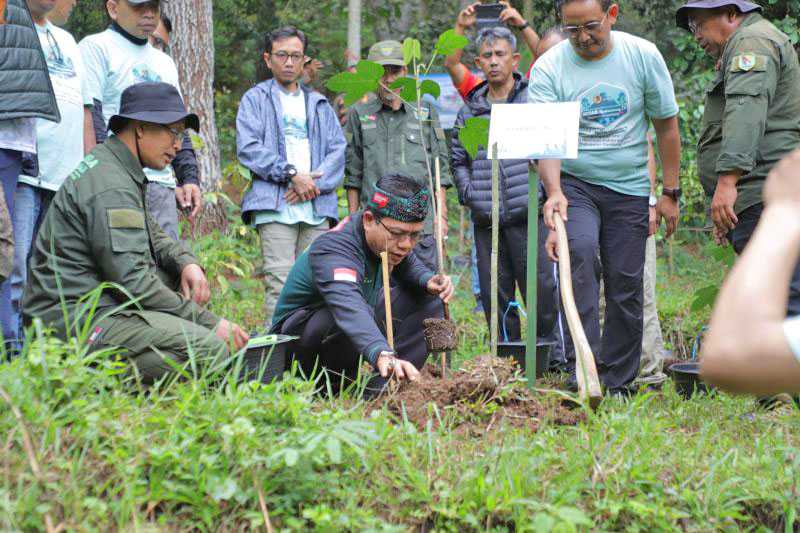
[197,454]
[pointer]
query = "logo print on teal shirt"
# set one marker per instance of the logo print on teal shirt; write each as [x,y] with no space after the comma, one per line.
[604,104]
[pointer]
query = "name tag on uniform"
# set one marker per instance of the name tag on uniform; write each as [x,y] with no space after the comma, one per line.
[125,218]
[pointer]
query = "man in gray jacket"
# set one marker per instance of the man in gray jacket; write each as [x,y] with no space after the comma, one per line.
[290,139]
[27,95]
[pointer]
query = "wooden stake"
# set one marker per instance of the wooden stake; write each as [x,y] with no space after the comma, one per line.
[440,246]
[387,300]
[493,332]
[585,367]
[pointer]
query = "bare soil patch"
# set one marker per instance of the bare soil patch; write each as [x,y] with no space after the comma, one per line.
[485,394]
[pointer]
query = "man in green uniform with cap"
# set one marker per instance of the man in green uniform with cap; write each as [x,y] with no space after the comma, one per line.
[752,114]
[384,137]
[101,264]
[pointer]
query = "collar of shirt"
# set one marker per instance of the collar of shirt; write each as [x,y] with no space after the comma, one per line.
[135,40]
[126,158]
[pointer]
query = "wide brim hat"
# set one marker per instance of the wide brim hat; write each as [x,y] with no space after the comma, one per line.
[682,15]
[153,102]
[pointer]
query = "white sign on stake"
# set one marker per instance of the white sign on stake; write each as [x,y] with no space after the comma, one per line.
[535,131]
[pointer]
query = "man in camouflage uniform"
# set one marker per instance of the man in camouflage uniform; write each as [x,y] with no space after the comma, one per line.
[752,114]
[147,290]
[384,137]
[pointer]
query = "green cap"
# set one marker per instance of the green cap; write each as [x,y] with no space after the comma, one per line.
[387,53]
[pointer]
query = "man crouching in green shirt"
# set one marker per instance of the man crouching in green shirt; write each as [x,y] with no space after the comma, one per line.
[333,296]
[97,235]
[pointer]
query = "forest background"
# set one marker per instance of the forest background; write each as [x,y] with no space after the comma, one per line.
[239,27]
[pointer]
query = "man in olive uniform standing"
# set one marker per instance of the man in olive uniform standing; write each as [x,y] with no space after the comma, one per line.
[97,238]
[752,114]
[384,137]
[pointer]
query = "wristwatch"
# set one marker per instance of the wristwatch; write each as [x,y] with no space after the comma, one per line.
[675,194]
[652,201]
[523,26]
[289,171]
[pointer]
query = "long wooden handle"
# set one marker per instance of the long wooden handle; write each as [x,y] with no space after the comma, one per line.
[387,300]
[439,200]
[585,367]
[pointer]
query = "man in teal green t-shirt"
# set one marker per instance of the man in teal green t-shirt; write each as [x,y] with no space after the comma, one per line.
[622,83]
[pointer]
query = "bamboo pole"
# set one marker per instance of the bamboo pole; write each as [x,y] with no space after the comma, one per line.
[532,278]
[387,300]
[440,247]
[493,331]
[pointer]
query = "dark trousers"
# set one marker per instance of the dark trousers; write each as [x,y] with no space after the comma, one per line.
[512,262]
[612,226]
[740,236]
[10,166]
[322,345]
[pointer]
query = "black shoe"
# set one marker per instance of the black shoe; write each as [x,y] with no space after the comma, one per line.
[572,383]
[375,387]
[620,392]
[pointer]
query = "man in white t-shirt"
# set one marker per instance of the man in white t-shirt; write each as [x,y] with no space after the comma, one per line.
[290,138]
[751,347]
[60,147]
[117,58]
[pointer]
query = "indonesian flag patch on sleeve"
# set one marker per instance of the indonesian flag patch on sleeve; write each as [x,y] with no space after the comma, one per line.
[345,274]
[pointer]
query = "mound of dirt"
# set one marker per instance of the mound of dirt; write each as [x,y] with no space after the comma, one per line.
[486,393]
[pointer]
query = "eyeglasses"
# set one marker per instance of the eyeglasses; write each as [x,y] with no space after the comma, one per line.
[176,133]
[589,27]
[283,56]
[397,235]
[54,48]
[695,26]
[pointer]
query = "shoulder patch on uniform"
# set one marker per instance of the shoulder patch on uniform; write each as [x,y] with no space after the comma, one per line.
[90,161]
[748,63]
[125,218]
[345,274]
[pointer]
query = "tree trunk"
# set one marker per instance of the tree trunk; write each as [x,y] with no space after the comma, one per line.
[192,46]
[353,31]
[527,9]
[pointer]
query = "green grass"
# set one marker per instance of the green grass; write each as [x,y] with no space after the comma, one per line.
[199,454]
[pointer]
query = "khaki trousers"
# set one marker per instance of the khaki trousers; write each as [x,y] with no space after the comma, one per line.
[281,245]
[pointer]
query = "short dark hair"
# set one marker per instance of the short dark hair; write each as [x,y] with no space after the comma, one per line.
[286,32]
[495,33]
[165,20]
[605,4]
